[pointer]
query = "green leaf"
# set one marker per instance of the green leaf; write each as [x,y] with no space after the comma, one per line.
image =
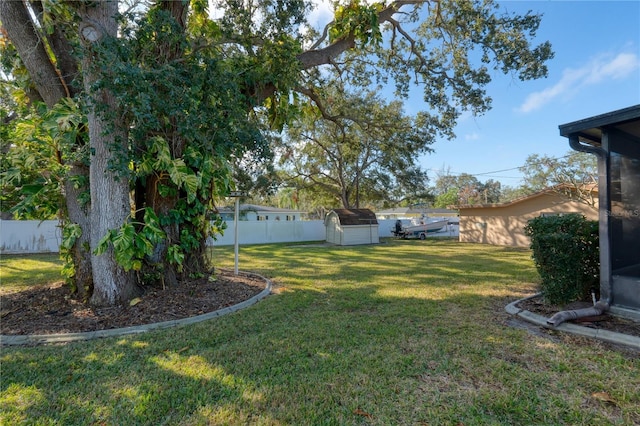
[70,233]
[191,185]
[136,265]
[160,147]
[123,240]
[175,256]
[165,190]
[103,244]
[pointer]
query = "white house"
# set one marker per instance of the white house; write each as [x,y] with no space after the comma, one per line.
[251,212]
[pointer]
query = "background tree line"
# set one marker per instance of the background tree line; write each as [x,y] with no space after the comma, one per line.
[573,175]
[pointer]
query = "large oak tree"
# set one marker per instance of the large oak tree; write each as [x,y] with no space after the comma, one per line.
[357,147]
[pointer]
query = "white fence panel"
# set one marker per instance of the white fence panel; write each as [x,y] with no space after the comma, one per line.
[261,232]
[29,236]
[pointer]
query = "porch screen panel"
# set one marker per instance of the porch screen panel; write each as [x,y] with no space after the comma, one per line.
[624,220]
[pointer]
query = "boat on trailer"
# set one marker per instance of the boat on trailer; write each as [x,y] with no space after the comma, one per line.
[420,230]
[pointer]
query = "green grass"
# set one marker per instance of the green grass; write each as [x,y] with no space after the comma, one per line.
[400,333]
[19,272]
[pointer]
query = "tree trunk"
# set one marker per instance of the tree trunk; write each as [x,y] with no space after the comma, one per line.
[83,279]
[65,63]
[162,206]
[110,205]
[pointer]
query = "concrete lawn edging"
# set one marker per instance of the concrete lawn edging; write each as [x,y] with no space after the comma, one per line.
[603,335]
[38,339]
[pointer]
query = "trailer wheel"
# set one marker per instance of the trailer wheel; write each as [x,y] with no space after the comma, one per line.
[423,236]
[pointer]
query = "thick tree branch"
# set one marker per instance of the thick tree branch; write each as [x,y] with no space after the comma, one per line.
[31,48]
[67,65]
[311,94]
[315,57]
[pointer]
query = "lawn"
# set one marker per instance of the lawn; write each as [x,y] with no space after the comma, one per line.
[399,333]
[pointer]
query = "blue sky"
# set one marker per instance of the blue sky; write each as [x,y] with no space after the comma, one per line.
[596,70]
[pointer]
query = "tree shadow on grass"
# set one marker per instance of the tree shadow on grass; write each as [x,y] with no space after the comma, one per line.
[335,356]
[356,338]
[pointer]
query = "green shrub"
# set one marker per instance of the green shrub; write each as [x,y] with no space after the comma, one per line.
[566,254]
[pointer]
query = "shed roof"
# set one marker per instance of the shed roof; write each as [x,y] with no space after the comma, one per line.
[356,216]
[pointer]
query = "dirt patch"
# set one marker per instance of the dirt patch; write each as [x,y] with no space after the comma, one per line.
[52,309]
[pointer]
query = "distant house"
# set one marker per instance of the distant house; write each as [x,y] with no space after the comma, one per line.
[255,212]
[503,224]
[347,227]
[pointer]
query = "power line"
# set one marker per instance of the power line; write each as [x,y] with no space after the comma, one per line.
[492,173]
[498,176]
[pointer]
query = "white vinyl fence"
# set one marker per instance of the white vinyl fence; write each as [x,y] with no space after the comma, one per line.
[33,236]
[271,231]
[29,236]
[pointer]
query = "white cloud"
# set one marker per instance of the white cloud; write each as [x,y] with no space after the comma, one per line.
[322,14]
[598,70]
[471,136]
[621,66]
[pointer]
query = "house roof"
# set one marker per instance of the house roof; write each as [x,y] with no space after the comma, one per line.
[355,216]
[550,190]
[589,130]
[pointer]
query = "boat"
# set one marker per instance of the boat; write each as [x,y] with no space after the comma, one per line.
[421,229]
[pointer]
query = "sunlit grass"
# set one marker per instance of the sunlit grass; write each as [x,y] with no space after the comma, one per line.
[400,333]
[20,271]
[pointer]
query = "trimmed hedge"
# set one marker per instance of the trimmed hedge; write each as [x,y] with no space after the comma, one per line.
[566,254]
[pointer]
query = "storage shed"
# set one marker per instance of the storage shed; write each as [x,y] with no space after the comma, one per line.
[347,227]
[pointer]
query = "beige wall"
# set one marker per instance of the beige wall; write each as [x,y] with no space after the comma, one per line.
[504,224]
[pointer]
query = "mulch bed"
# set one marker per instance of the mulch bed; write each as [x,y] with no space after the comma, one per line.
[52,309]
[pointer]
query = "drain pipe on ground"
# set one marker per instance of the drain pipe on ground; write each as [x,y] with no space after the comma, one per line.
[596,310]
[602,305]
